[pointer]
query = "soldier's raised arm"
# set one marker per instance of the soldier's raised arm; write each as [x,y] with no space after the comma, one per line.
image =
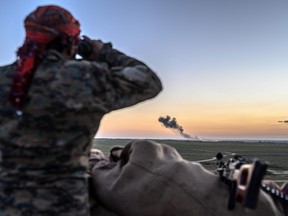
[126,80]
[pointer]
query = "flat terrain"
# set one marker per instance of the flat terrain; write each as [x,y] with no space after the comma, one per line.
[275,153]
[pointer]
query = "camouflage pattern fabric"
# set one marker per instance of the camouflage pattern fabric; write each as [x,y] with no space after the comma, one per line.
[44,150]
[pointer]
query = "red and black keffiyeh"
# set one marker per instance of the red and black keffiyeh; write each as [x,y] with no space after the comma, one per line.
[42,26]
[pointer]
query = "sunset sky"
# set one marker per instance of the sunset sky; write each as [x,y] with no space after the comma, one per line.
[223,63]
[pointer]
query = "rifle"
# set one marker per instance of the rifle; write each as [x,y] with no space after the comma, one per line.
[243,178]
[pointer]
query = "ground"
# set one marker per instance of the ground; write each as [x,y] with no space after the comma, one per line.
[275,153]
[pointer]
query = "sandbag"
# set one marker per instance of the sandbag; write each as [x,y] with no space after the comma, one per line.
[152,179]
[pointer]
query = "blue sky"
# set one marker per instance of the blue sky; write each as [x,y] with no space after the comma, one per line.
[223,63]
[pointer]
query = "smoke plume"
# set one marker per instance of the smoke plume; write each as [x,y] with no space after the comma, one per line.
[169,122]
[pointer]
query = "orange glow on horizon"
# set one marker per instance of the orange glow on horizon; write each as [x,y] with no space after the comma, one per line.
[211,121]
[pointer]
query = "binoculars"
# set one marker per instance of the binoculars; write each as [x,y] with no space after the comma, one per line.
[84,49]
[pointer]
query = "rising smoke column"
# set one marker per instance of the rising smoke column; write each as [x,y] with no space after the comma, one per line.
[169,122]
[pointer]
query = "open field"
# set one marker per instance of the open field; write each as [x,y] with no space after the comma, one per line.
[275,153]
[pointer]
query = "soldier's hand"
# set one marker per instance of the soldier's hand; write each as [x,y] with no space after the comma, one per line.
[96,45]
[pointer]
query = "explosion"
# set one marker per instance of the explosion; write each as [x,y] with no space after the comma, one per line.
[169,122]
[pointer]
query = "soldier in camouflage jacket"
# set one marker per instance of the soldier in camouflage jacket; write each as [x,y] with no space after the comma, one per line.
[47,131]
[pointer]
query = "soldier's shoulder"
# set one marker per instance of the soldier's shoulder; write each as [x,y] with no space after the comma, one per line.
[7,70]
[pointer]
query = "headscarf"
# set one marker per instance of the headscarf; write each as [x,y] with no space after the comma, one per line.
[42,26]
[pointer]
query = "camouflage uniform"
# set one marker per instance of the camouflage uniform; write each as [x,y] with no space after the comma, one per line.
[43,152]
